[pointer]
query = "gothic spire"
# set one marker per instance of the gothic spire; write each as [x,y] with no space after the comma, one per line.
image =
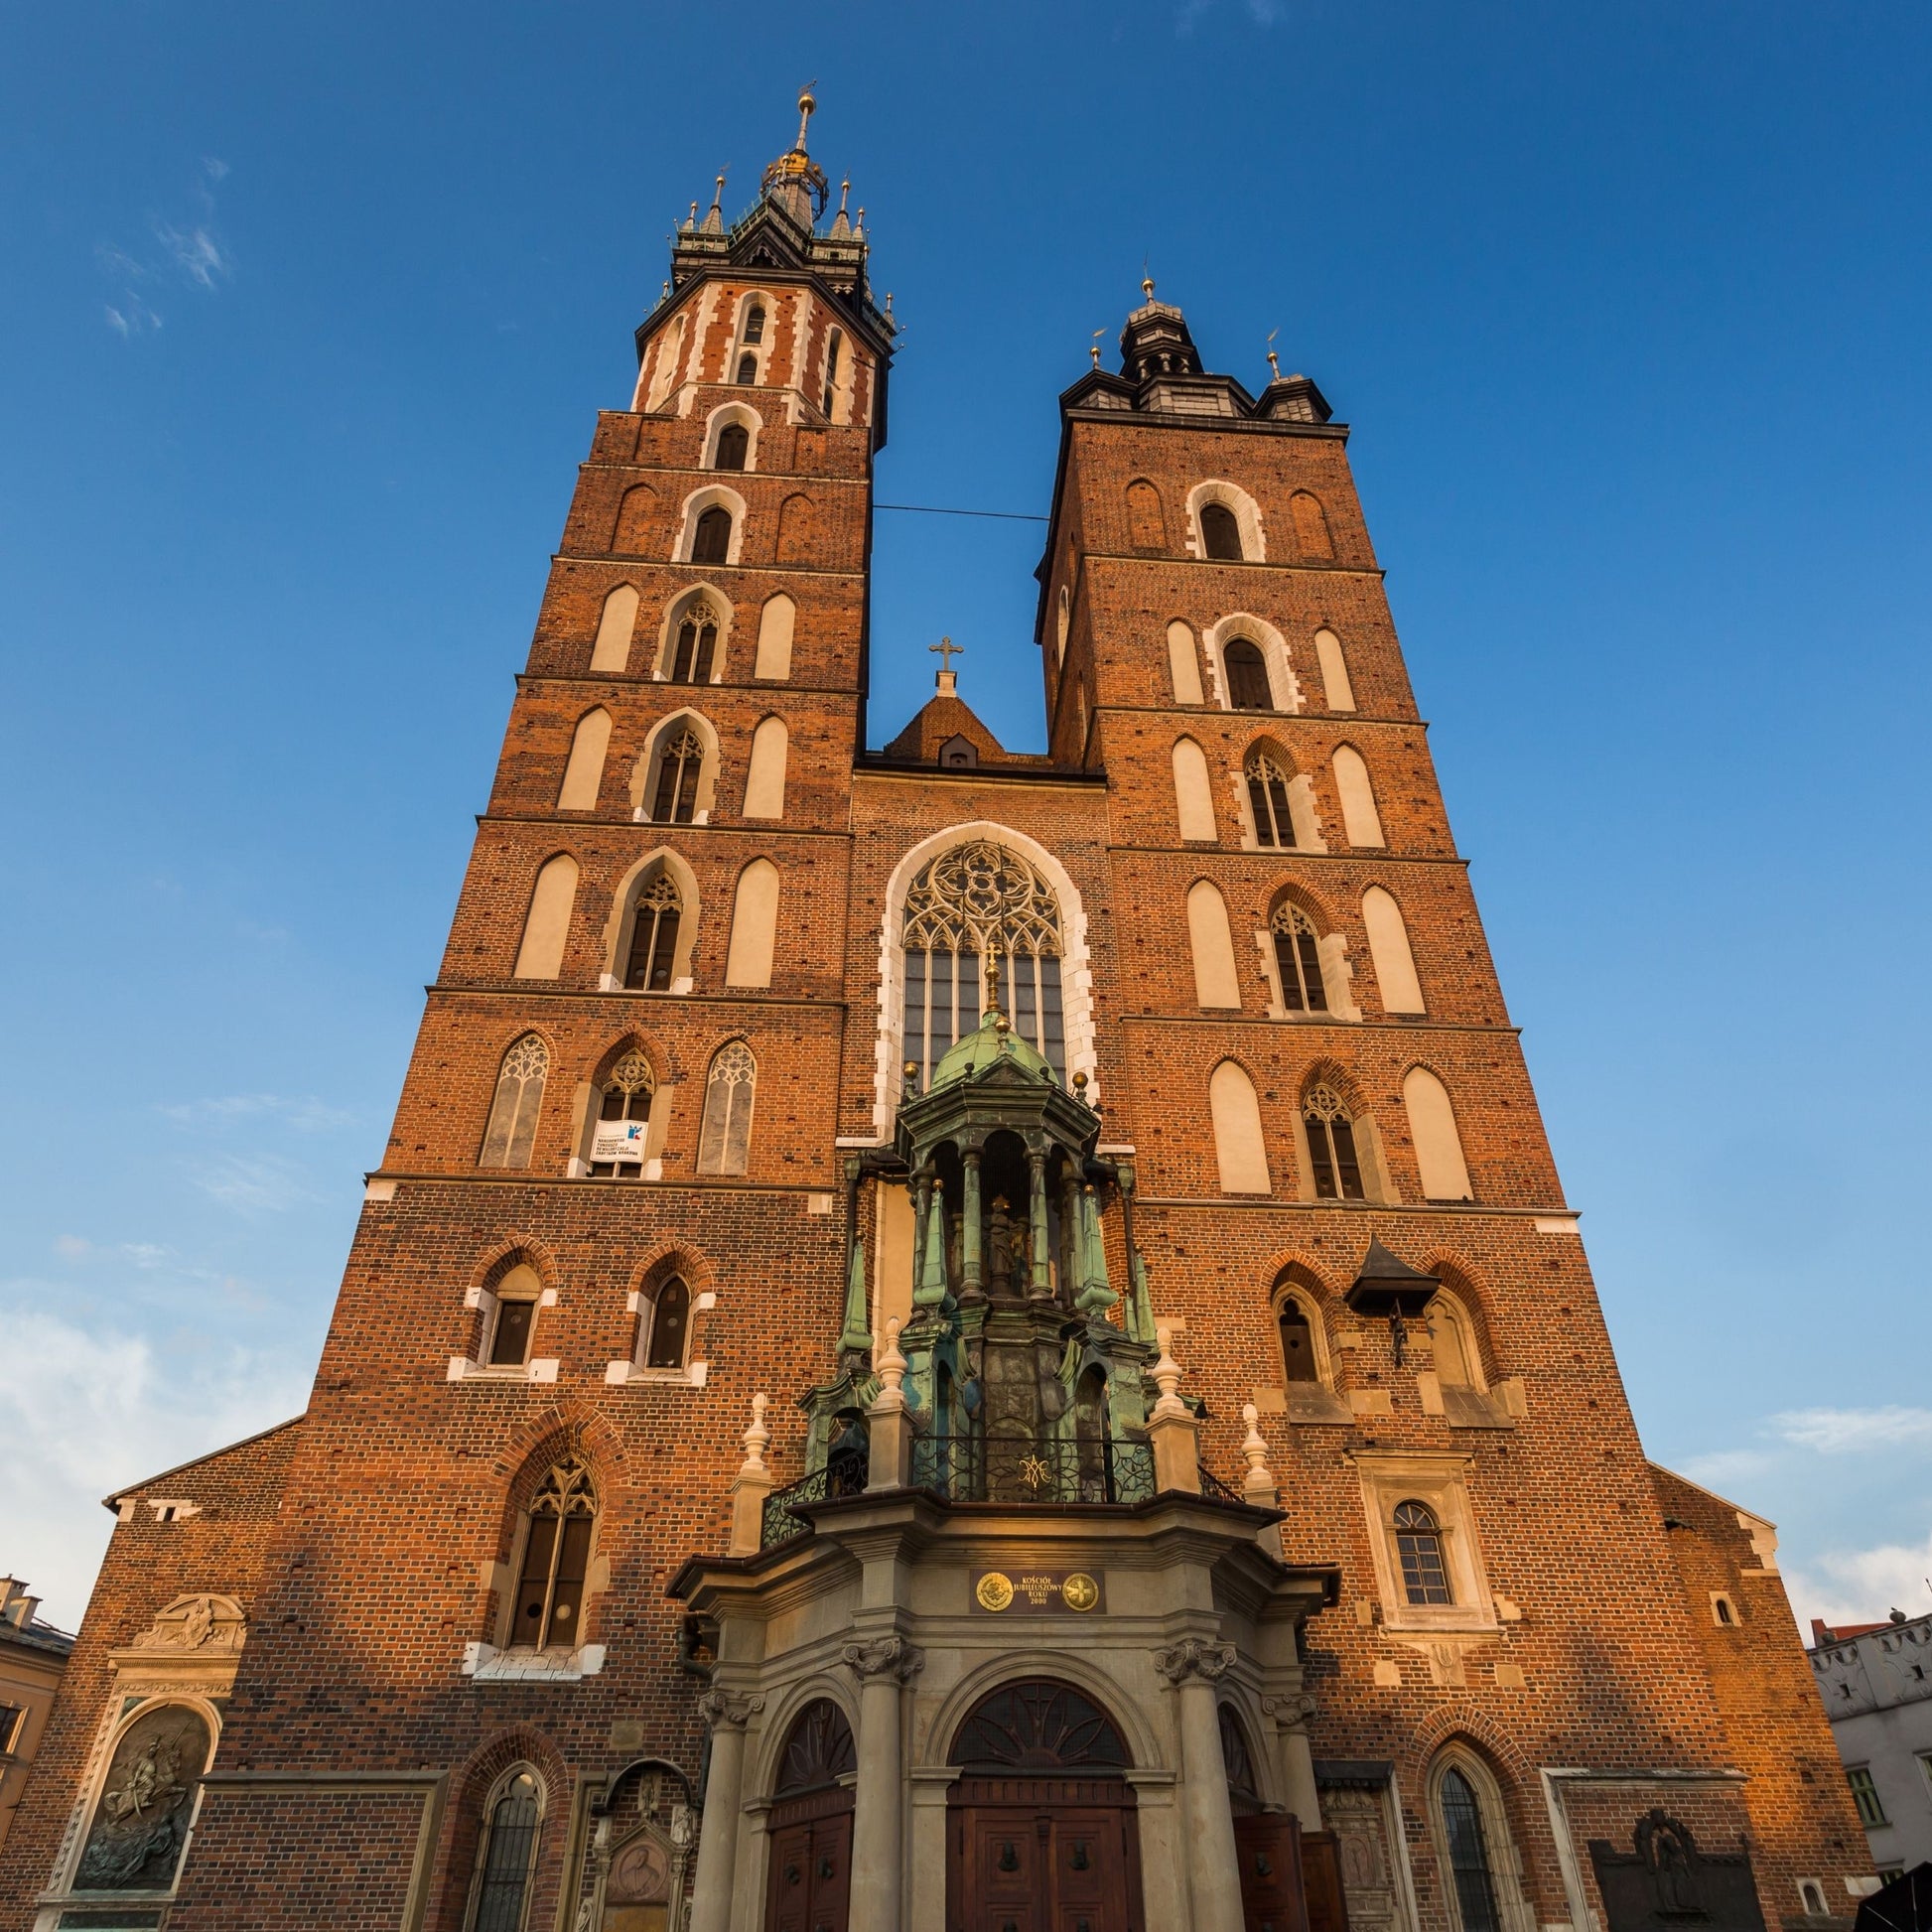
[795,182]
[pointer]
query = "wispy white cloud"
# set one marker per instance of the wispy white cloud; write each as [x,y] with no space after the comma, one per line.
[87,1410]
[307,1113]
[1722,1468]
[1849,1432]
[181,251]
[1860,1586]
[255,1183]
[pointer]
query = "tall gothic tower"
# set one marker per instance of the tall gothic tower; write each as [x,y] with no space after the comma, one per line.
[949,1338]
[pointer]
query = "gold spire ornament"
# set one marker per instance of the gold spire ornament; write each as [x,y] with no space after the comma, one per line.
[1273,363]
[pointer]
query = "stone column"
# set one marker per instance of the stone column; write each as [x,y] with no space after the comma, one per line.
[1194,1667]
[969,1231]
[1042,1284]
[724,1798]
[1290,1715]
[881,1665]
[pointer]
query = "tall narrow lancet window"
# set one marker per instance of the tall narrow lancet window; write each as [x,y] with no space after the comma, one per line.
[833,351]
[754,322]
[623,1130]
[725,1138]
[671,1318]
[1248,688]
[1469,1850]
[1298,958]
[1268,799]
[697,635]
[747,369]
[710,541]
[1418,1550]
[1299,1362]
[653,936]
[679,762]
[1335,1166]
[556,1560]
[959,905]
[512,1128]
[1220,533]
[507,1855]
[733,446]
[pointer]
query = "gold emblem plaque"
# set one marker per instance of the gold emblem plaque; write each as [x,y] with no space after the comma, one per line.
[1079,1591]
[1037,1591]
[995,1593]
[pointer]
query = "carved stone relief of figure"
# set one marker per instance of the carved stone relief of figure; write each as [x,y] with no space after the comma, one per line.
[141,1818]
[1359,1820]
[195,1623]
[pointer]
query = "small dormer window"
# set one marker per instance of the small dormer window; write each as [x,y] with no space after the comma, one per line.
[958,752]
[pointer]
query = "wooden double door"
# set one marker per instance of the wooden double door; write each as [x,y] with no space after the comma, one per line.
[1043,1854]
[1291,1880]
[808,1886]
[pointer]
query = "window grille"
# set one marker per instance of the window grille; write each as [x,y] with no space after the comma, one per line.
[512,1128]
[1268,798]
[653,937]
[1298,956]
[1469,1850]
[680,761]
[1331,1145]
[697,631]
[627,1091]
[724,1139]
[959,904]
[1418,1549]
[556,1560]
[509,1844]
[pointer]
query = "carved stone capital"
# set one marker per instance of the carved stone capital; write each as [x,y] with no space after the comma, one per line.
[1194,1657]
[1297,1708]
[883,1657]
[722,1712]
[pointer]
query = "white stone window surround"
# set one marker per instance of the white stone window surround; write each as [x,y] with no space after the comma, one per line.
[674,615]
[1284,687]
[558,1662]
[1337,971]
[616,931]
[585,1102]
[644,775]
[1301,812]
[657,373]
[748,419]
[695,505]
[693,1374]
[1438,1480]
[1076,960]
[1377,1188]
[770,301]
[1247,516]
[477,1367]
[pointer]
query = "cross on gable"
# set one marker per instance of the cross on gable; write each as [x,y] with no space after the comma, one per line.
[947,650]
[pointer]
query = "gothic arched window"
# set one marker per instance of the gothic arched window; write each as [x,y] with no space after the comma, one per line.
[1297,959]
[518,1294]
[1332,1157]
[734,444]
[754,322]
[140,1822]
[1248,687]
[1220,533]
[710,541]
[1299,1360]
[1468,1852]
[680,763]
[506,1852]
[1268,800]
[1418,1549]
[697,630]
[747,369]
[623,1130]
[653,936]
[670,1321]
[725,1138]
[518,1099]
[962,902]
[832,353]
[556,1560]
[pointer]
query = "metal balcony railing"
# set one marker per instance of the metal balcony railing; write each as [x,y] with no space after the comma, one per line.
[1023,1470]
[844,1474]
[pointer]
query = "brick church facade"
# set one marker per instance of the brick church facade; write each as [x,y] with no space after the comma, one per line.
[948,1339]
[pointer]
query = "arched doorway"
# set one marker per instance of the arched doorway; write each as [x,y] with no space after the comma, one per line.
[1042,1830]
[808,1883]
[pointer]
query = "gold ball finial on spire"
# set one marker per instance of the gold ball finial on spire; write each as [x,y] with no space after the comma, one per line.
[1147,285]
[1273,361]
[807,105]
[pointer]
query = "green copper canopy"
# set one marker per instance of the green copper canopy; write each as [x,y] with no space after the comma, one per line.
[991,1042]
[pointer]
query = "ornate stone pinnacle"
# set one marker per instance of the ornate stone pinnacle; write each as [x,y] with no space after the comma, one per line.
[756,1437]
[1166,1375]
[1254,1448]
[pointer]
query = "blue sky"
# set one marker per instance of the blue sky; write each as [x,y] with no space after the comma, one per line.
[308,311]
